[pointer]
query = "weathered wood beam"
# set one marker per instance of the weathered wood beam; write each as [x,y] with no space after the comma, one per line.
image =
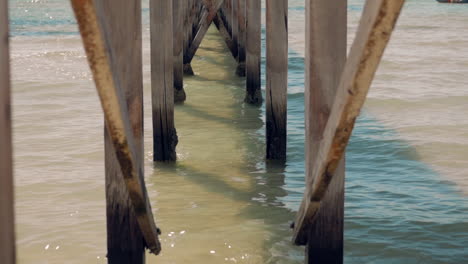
[241,20]
[324,61]
[189,33]
[186,26]
[224,33]
[276,78]
[227,13]
[177,9]
[205,22]
[229,17]
[253,52]
[216,18]
[234,24]
[164,132]
[117,119]
[120,20]
[375,28]
[7,216]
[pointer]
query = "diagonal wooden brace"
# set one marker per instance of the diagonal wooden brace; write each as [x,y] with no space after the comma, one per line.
[377,23]
[206,19]
[117,120]
[225,34]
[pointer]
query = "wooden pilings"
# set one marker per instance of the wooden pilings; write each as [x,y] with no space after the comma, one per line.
[375,28]
[276,78]
[241,38]
[324,62]
[120,130]
[224,26]
[190,28]
[7,217]
[219,20]
[121,20]
[178,41]
[234,25]
[186,31]
[253,49]
[239,23]
[206,18]
[164,132]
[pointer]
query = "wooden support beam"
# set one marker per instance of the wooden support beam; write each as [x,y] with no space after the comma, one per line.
[375,28]
[116,115]
[241,20]
[325,59]
[7,216]
[177,18]
[227,14]
[224,33]
[120,21]
[205,22]
[234,24]
[222,16]
[186,26]
[276,78]
[189,33]
[253,47]
[216,18]
[162,70]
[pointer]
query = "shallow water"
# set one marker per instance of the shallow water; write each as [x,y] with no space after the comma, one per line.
[220,202]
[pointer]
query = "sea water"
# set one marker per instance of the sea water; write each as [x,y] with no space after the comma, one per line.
[406,184]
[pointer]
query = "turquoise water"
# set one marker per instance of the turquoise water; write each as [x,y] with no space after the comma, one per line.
[400,207]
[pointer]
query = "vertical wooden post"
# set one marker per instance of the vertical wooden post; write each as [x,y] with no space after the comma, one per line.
[378,20]
[164,132]
[186,25]
[253,48]
[228,14]
[178,16]
[189,34]
[234,25]
[241,18]
[7,219]
[325,60]
[121,23]
[276,77]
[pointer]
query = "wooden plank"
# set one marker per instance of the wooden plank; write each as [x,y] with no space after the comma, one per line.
[177,18]
[164,132]
[207,17]
[117,119]
[120,21]
[325,59]
[7,216]
[241,38]
[376,26]
[276,78]
[253,52]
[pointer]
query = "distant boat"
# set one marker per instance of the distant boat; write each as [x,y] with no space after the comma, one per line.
[453,1]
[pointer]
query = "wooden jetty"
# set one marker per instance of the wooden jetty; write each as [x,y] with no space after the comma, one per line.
[335,90]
